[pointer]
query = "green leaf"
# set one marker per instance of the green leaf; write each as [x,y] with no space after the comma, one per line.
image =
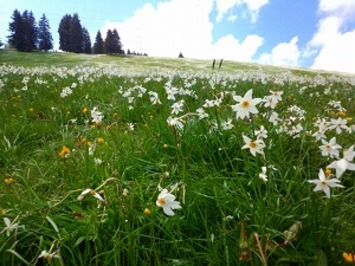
[321,259]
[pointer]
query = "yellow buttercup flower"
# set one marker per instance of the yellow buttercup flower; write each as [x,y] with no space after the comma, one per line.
[64,152]
[100,140]
[85,110]
[147,211]
[349,257]
[9,181]
[342,113]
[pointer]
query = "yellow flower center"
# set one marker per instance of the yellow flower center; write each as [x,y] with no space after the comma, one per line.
[328,172]
[245,104]
[161,201]
[253,145]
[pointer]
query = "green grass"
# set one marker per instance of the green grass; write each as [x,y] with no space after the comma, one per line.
[225,204]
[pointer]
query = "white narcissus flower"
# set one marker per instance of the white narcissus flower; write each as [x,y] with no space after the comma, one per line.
[9,226]
[226,125]
[274,118]
[201,113]
[255,146]
[167,202]
[47,255]
[96,116]
[175,122]
[263,175]
[246,105]
[177,107]
[261,133]
[91,192]
[330,148]
[344,164]
[324,184]
[338,124]
[273,99]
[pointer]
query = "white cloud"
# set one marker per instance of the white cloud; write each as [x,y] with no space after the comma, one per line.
[340,7]
[328,29]
[230,48]
[253,7]
[283,54]
[180,26]
[333,46]
[337,53]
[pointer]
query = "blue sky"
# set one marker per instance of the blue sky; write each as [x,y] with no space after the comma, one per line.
[317,34]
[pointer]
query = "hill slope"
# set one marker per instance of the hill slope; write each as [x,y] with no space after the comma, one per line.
[10,56]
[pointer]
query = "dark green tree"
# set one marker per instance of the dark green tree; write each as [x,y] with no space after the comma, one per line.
[109,43]
[24,31]
[76,35]
[16,29]
[99,44]
[44,35]
[64,33]
[117,43]
[87,41]
[30,32]
[71,34]
[113,43]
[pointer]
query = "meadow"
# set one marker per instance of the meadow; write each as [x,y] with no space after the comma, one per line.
[144,161]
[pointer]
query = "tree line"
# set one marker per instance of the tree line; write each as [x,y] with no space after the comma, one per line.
[26,35]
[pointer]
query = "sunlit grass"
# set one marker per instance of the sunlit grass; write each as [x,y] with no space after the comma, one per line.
[81,171]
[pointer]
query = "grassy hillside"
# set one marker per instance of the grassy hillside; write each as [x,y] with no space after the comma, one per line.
[145,161]
[35,59]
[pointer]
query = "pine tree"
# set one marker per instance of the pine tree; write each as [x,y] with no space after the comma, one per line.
[109,42]
[44,34]
[16,29]
[99,44]
[24,32]
[117,43]
[76,35]
[71,34]
[87,41]
[30,32]
[113,43]
[64,33]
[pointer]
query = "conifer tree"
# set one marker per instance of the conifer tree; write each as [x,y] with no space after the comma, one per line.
[87,41]
[64,33]
[76,35]
[117,43]
[16,29]
[99,44]
[113,43]
[109,42]
[44,34]
[24,33]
